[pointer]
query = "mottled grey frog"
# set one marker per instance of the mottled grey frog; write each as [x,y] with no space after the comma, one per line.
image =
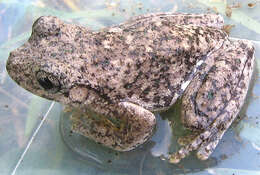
[117,77]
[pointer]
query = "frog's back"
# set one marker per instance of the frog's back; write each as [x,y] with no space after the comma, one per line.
[150,62]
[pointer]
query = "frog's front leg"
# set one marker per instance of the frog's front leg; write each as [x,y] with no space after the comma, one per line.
[212,105]
[121,126]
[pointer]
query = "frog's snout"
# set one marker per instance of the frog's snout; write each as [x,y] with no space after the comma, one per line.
[10,64]
[46,26]
[13,65]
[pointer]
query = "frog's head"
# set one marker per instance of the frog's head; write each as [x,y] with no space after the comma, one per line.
[48,65]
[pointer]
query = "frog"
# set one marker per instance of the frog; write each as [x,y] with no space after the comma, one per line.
[118,78]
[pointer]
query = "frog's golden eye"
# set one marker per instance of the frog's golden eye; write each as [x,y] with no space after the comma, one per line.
[48,81]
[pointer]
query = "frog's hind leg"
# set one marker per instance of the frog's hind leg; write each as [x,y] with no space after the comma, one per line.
[219,99]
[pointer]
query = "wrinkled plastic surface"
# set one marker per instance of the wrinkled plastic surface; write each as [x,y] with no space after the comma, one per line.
[31,139]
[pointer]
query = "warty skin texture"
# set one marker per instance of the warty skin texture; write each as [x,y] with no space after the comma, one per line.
[118,76]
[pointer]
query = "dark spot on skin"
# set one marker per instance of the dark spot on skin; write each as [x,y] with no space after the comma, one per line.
[242,77]
[224,98]
[53,54]
[167,100]
[134,53]
[156,83]
[138,64]
[207,39]
[156,99]
[127,72]
[146,90]
[147,75]
[249,64]
[209,109]
[164,69]
[119,96]
[242,85]
[214,84]
[250,53]
[243,46]
[128,85]
[130,93]
[145,99]
[213,68]
[233,68]
[97,42]
[66,94]
[222,126]
[82,69]
[238,61]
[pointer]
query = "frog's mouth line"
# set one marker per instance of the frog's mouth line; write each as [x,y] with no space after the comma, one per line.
[88,89]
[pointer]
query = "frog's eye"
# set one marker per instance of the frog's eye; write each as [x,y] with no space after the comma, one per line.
[48,81]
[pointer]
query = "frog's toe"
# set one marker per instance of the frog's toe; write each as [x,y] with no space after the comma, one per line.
[219,98]
[206,149]
[193,145]
[206,142]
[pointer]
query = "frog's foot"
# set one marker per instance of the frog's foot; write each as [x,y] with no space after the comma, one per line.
[121,127]
[206,142]
[214,98]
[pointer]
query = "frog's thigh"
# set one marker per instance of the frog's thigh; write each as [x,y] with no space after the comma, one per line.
[190,113]
[239,80]
[212,88]
[125,126]
[225,86]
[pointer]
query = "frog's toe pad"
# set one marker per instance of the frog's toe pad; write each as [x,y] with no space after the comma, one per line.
[205,143]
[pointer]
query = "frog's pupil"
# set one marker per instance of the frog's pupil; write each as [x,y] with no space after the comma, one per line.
[46,83]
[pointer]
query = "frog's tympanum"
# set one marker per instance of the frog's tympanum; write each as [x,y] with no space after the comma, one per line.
[120,75]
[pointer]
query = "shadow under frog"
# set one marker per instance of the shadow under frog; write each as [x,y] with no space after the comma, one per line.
[119,76]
